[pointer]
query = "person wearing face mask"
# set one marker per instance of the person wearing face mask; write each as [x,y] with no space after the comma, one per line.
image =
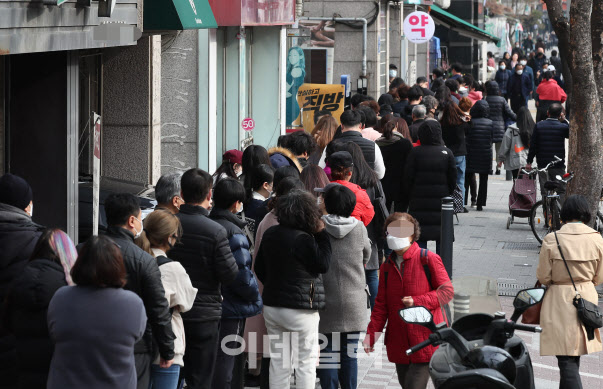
[18,237]
[393,72]
[205,255]
[256,205]
[241,298]
[162,230]
[124,220]
[167,192]
[408,278]
[232,166]
[527,69]
[519,88]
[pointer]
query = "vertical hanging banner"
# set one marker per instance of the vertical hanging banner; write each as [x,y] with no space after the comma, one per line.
[96,173]
[312,98]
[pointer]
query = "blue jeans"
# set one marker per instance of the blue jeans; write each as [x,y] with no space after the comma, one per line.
[423,244]
[338,364]
[372,280]
[461,165]
[164,378]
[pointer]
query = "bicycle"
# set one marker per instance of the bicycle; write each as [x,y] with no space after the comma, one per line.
[545,214]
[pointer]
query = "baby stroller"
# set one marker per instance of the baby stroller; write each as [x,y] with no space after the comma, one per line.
[522,197]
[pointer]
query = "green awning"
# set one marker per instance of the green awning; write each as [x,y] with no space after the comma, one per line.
[459,25]
[178,15]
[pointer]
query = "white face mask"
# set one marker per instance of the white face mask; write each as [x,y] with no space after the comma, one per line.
[393,73]
[502,67]
[519,72]
[462,89]
[397,244]
[523,63]
[240,208]
[138,233]
[31,210]
[239,172]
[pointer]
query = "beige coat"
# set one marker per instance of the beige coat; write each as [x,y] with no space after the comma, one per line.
[562,332]
[180,295]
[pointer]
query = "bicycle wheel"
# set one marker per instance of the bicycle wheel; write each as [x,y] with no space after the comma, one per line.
[538,221]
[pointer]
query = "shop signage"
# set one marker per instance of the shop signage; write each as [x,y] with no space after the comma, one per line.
[178,15]
[419,27]
[312,98]
[248,124]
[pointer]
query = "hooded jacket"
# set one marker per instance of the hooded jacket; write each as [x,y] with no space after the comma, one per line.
[241,297]
[500,112]
[475,96]
[512,151]
[479,139]
[549,90]
[280,156]
[346,294]
[430,175]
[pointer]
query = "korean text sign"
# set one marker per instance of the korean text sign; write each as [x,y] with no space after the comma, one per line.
[419,27]
[320,97]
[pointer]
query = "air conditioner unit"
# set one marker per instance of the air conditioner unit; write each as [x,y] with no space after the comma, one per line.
[444,4]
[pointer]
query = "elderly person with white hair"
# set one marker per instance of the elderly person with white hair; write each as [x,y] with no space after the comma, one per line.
[167,192]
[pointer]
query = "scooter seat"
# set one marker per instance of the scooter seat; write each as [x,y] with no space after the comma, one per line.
[477,379]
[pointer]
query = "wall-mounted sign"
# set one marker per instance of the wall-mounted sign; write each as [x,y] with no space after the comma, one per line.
[419,27]
[317,97]
[248,124]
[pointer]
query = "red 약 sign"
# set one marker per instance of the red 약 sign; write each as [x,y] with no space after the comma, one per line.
[248,124]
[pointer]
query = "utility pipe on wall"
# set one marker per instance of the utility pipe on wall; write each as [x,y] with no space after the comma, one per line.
[364,33]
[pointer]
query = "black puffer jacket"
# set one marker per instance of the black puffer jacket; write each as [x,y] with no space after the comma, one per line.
[27,306]
[395,152]
[454,138]
[430,175]
[479,139]
[289,264]
[242,296]
[18,237]
[548,141]
[144,279]
[205,254]
[500,112]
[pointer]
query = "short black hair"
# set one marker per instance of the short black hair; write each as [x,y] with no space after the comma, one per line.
[119,207]
[522,57]
[357,99]
[195,185]
[100,264]
[300,142]
[555,110]
[339,201]
[415,93]
[320,114]
[457,67]
[554,53]
[502,61]
[287,184]
[576,208]
[438,72]
[453,85]
[261,173]
[392,66]
[283,172]
[227,192]
[350,118]
[396,83]
[370,117]
[421,79]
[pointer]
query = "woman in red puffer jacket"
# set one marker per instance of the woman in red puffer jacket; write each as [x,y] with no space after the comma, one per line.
[403,283]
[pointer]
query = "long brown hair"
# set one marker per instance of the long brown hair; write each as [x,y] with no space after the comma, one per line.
[159,226]
[452,115]
[324,131]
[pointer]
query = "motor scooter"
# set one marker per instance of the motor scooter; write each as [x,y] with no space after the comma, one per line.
[478,346]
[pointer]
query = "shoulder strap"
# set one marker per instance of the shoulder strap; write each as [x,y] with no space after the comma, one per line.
[162,260]
[425,263]
[564,261]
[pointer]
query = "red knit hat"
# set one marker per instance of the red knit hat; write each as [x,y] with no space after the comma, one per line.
[233,156]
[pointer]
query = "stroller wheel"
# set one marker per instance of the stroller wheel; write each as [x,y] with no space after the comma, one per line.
[509,221]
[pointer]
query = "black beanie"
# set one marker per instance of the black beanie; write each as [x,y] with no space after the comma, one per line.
[15,191]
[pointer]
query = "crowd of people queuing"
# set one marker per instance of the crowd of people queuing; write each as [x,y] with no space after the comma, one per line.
[296,242]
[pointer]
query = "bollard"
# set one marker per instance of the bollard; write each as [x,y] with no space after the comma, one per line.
[447,234]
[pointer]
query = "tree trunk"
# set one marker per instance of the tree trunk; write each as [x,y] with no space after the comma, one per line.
[562,30]
[586,139]
[597,44]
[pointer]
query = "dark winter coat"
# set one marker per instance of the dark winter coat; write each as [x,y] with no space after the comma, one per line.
[27,306]
[430,175]
[548,141]
[399,107]
[241,297]
[256,209]
[205,254]
[394,284]
[479,139]
[500,112]
[502,78]
[289,263]
[18,237]
[395,152]
[144,279]
[414,130]
[454,138]
[520,85]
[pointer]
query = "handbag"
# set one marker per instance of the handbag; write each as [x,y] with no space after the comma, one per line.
[381,203]
[532,314]
[458,202]
[588,313]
